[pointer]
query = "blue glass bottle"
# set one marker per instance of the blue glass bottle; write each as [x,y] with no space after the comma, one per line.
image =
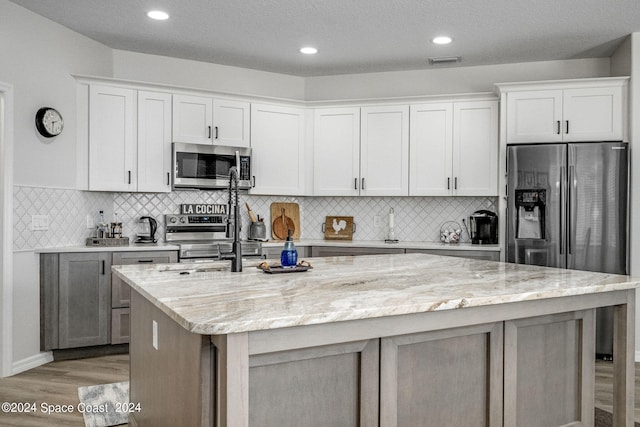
[289,254]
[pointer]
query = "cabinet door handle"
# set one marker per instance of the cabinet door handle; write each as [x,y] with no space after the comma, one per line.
[103,268]
[558,127]
[355,183]
[216,132]
[209,134]
[566,122]
[168,178]
[129,172]
[363,184]
[253,183]
[448,183]
[455,183]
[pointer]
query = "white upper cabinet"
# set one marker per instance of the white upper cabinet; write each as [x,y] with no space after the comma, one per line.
[129,140]
[384,151]
[336,151]
[431,148]
[581,111]
[231,124]
[454,149]
[277,150]
[154,142]
[192,119]
[112,138]
[361,151]
[204,120]
[475,148]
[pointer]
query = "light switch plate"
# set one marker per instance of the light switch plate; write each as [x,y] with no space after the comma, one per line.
[377,221]
[39,222]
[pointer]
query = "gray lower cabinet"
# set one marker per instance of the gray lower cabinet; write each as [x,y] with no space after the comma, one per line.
[75,300]
[80,304]
[322,251]
[121,292]
[483,255]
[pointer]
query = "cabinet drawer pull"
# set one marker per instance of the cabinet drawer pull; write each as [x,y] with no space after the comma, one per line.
[146,260]
[558,127]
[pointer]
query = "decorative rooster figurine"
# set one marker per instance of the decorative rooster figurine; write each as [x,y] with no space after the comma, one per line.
[337,226]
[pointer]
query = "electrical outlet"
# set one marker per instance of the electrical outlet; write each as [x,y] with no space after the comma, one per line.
[377,221]
[155,335]
[39,222]
[90,222]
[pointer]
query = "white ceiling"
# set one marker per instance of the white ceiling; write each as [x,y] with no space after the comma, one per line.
[352,36]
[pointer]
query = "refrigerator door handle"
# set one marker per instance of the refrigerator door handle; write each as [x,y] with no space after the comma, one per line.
[569,213]
[560,217]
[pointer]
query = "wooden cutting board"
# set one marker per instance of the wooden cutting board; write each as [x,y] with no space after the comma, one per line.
[291,219]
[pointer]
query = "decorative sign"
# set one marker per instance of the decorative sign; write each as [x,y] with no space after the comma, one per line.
[338,228]
[203,209]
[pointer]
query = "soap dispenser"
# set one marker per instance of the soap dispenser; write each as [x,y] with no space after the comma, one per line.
[289,255]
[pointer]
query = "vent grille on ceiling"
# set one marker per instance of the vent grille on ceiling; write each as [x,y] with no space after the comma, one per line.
[444,60]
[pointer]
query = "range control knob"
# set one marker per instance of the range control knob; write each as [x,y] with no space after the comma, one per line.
[183,220]
[173,220]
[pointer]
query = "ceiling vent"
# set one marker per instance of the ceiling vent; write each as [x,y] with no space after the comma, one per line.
[444,60]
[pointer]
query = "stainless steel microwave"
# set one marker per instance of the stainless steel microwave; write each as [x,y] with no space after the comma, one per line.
[207,166]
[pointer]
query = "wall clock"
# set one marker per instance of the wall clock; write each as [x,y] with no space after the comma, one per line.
[49,122]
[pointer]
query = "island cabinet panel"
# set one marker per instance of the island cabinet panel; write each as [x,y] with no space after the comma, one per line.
[170,372]
[333,385]
[450,377]
[548,379]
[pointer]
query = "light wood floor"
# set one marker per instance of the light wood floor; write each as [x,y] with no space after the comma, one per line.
[57,384]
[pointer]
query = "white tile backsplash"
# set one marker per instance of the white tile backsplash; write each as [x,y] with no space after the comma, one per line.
[416,218]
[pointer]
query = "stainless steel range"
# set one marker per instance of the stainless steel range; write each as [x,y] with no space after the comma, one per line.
[203,237]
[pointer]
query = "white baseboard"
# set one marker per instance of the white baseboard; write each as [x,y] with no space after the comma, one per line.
[31,362]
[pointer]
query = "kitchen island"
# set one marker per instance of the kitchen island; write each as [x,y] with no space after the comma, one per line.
[385,340]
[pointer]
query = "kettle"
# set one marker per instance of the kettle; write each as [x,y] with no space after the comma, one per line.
[153,227]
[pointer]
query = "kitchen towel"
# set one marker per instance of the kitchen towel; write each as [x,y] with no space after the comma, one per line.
[104,404]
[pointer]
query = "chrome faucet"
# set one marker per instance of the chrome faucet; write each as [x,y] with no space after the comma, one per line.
[235,256]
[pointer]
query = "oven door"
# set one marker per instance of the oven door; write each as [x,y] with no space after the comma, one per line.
[207,166]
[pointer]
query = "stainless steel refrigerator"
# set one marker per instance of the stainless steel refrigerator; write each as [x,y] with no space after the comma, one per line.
[567,208]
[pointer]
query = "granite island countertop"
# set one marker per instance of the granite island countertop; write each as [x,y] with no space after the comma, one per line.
[208,299]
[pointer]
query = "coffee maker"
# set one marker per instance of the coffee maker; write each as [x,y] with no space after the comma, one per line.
[484,228]
[151,236]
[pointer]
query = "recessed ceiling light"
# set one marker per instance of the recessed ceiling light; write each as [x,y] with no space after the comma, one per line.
[309,50]
[441,40]
[158,15]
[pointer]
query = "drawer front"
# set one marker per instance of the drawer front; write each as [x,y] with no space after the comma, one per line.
[120,291]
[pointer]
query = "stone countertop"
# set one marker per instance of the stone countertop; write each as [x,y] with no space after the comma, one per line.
[210,300]
[161,246]
[132,247]
[382,244]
